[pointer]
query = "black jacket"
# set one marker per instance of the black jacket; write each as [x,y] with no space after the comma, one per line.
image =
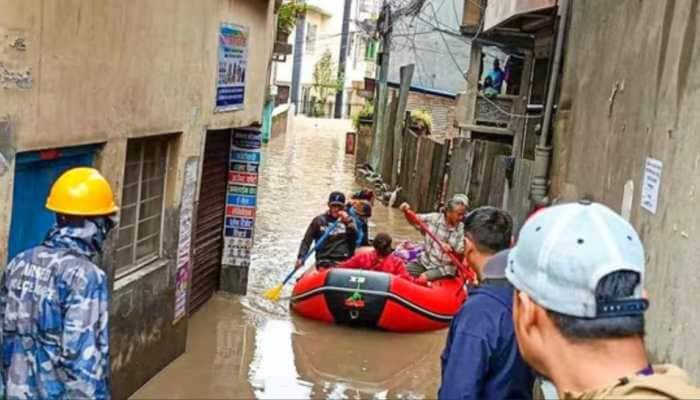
[338,246]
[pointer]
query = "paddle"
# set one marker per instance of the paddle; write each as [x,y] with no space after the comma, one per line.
[275,292]
[468,273]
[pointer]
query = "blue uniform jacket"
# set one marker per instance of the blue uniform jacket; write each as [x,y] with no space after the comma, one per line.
[481,358]
[54,319]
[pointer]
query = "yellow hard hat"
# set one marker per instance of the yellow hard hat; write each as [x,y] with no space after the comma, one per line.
[82,191]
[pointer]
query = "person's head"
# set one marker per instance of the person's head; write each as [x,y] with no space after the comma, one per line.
[336,203]
[496,63]
[487,230]
[364,194]
[488,82]
[82,198]
[363,208]
[578,270]
[455,209]
[382,244]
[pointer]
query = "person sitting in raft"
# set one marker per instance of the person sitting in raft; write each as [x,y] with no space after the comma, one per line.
[361,211]
[339,245]
[447,225]
[381,259]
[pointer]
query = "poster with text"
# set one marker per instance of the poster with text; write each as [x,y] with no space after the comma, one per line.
[242,197]
[182,277]
[233,65]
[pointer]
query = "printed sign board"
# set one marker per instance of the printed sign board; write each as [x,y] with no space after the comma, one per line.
[182,275]
[233,65]
[241,201]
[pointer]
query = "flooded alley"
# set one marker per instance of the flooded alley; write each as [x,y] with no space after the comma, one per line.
[244,347]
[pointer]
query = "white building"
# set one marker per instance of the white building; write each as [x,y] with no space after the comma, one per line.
[322,32]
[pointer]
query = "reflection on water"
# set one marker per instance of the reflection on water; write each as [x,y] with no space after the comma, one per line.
[365,363]
[240,347]
[273,373]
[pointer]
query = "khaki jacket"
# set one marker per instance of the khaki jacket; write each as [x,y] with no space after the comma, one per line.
[667,382]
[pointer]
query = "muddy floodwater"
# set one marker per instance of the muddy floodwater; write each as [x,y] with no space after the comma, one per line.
[246,347]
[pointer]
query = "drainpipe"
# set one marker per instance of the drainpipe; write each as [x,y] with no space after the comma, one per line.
[543,151]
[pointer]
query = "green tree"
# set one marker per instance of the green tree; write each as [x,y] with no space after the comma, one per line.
[325,82]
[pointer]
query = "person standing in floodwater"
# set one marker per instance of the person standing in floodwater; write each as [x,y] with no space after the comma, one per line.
[578,270]
[339,245]
[481,358]
[53,299]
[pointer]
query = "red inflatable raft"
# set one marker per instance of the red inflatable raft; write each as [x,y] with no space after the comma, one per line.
[376,299]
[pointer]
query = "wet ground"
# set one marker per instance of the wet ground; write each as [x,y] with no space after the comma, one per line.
[244,347]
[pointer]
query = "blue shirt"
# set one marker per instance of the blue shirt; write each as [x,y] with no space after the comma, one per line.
[481,358]
[497,75]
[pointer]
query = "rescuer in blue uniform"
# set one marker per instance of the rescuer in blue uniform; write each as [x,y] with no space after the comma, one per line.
[53,299]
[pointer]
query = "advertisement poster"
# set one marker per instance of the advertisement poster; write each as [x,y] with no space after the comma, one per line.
[242,197]
[182,277]
[233,64]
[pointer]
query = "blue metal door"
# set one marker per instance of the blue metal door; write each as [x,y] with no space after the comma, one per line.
[35,172]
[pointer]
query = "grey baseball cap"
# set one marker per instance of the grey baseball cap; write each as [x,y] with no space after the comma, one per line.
[564,251]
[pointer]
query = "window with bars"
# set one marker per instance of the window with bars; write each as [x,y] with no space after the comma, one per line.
[143,194]
[371,50]
[310,44]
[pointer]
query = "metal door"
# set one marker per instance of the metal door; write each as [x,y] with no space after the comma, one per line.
[208,235]
[35,172]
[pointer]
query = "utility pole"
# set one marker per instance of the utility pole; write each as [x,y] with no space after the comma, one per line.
[342,59]
[297,60]
[384,30]
[384,26]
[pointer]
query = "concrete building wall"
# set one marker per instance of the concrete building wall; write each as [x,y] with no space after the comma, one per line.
[84,71]
[630,91]
[328,27]
[432,41]
[328,17]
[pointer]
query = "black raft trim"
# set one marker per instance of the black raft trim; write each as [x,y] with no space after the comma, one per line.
[391,296]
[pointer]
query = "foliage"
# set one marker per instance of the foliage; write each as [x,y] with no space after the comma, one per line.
[340,83]
[287,15]
[422,117]
[325,82]
[318,107]
[367,112]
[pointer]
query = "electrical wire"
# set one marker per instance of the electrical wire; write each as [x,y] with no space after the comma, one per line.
[488,100]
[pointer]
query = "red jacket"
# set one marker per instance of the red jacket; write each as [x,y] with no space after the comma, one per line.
[369,260]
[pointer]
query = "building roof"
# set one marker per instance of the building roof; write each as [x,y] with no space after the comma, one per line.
[420,89]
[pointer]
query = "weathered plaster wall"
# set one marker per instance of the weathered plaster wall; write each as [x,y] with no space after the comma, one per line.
[104,70]
[83,71]
[415,41]
[630,91]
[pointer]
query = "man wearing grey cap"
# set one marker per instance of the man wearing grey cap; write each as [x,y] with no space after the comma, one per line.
[578,311]
[481,359]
